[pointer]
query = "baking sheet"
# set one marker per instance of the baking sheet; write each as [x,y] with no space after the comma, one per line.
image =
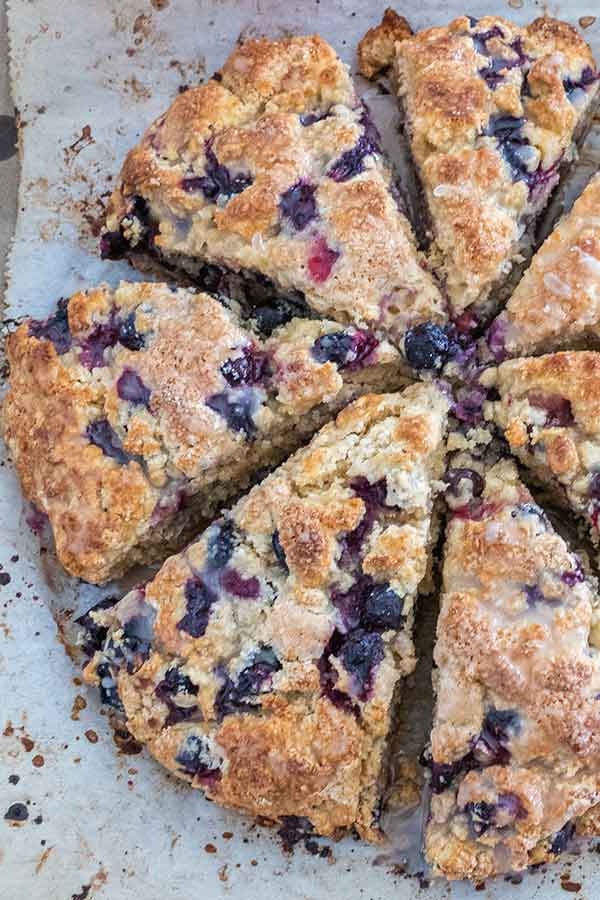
[105,821]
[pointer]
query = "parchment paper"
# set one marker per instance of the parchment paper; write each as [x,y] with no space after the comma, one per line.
[87,78]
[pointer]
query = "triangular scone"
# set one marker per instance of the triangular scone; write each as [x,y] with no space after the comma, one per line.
[261,663]
[515,745]
[557,303]
[494,114]
[549,411]
[133,414]
[267,184]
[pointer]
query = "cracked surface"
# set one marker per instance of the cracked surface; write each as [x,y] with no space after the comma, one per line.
[549,412]
[515,746]
[494,113]
[557,302]
[274,168]
[133,415]
[260,664]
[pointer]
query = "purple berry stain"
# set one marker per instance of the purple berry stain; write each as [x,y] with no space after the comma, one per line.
[199,600]
[245,588]
[130,387]
[217,180]
[55,328]
[298,204]
[321,260]
[101,434]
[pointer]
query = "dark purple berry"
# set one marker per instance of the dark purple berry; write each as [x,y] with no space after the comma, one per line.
[309,119]
[576,576]
[346,350]
[442,774]
[220,544]
[382,609]
[101,434]
[95,634]
[113,245]
[510,805]
[234,583]
[328,675]
[349,603]
[104,335]
[495,337]
[293,830]
[586,79]
[199,601]
[481,816]
[562,839]
[217,180]
[173,684]
[128,335]
[594,486]
[481,38]
[109,695]
[426,346]
[55,328]
[372,493]
[299,205]
[535,595]
[249,369]
[237,408]
[279,552]
[194,759]
[130,387]
[559,413]
[469,407]
[334,347]
[237,697]
[361,653]
[352,162]
[454,478]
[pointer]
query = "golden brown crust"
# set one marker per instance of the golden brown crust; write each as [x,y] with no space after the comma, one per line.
[376,49]
[172,439]
[549,409]
[280,686]
[556,305]
[463,90]
[283,118]
[517,722]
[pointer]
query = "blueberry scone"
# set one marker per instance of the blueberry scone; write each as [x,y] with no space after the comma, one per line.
[261,663]
[494,114]
[133,414]
[515,746]
[549,412]
[556,305]
[267,184]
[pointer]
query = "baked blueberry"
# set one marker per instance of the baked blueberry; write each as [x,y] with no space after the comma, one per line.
[382,609]
[128,334]
[220,544]
[481,816]
[298,204]
[279,552]
[101,434]
[195,759]
[426,346]
[217,180]
[130,387]
[239,695]
[199,600]
[251,368]
[237,407]
[55,328]
[562,839]
[109,695]
[235,583]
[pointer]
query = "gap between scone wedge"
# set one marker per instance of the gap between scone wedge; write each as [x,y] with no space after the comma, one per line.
[261,664]
[267,184]
[133,415]
[494,115]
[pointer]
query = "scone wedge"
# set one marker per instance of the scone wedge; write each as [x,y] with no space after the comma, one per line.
[262,663]
[549,411]
[515,745]
[494,114]
[132,415]
[556,305]
[267,184]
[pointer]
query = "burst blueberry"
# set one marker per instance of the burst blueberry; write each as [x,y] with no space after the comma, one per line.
[382,609]
[199,600]
[362,651]
[217,180]
[220,544]
[240,695]
[426,346]
[562,839]
[101,434]
[128,334]
[279,552]
[458,478]
[237,408]
[298,204]
[195,760]
[130,387]
[55,328]
[481,816]
[252,367]
[109,694]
